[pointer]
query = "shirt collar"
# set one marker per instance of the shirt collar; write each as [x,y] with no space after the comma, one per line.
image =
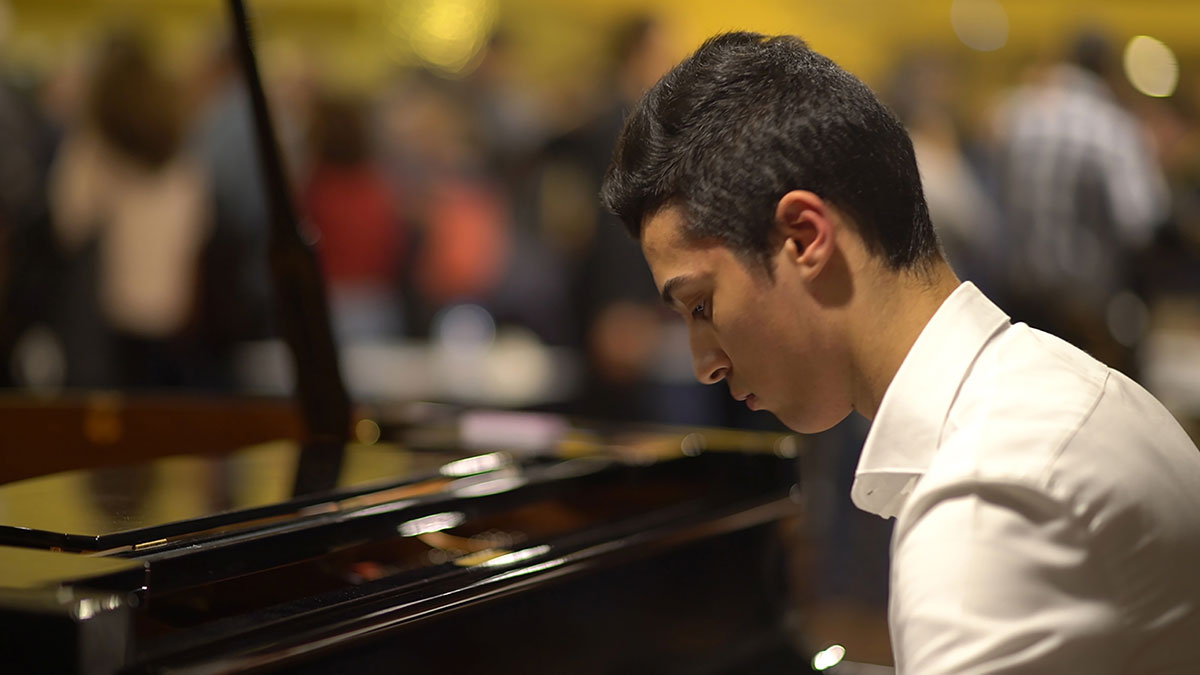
[908,426]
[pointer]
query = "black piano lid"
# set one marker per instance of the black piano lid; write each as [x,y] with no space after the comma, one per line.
[29,569]
[125,507]
[120,507]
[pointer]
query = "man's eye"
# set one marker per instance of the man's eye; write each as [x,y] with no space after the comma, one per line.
[698,310]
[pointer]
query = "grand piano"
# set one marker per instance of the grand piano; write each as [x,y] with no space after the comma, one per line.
[441,540]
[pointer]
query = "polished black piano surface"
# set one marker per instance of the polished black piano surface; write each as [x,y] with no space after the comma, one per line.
[581,551]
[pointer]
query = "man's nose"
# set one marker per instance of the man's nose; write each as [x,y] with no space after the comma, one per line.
[709,361]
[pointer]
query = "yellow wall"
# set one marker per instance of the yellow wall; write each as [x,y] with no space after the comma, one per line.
[354,42]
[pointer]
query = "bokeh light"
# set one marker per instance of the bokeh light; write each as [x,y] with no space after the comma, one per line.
[367,432]
[1151,66]
[445,35]
[828,657]
[432,523]
[980,24]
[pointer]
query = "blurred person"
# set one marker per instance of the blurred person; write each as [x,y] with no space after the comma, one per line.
[511,124]
[1082,195]
[350,204]
[29,260]
[131,208]
[617,315]
[235,288]
[290,75]
[510,118]
[1047,507]
[457,211]
[924,92]
[1171,265]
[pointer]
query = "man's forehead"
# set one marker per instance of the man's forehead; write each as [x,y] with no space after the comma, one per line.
[663,229]
[664,244]
[671,251]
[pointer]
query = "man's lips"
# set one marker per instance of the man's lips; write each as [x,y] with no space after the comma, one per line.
[750,399]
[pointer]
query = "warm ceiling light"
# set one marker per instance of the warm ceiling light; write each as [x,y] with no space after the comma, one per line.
[1151,66]
[980,24]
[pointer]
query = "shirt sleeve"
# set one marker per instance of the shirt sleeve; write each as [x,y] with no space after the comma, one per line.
[991,578]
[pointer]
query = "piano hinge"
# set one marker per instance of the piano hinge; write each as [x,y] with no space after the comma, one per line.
[148,544]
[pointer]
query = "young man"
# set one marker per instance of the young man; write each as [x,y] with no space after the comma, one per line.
[1048,508]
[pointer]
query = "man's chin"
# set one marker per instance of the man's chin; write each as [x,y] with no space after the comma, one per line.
[808,424]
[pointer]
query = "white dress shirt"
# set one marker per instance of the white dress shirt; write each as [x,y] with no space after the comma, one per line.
[1047,508]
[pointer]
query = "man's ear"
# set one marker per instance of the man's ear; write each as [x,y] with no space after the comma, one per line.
[807,227]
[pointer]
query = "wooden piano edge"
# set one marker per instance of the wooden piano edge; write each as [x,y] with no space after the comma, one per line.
[85,430]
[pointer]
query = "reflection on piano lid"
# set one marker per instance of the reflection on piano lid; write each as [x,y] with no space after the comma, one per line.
[127,507]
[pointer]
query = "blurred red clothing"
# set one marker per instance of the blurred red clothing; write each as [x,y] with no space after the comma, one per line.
[358,219]
[468,242]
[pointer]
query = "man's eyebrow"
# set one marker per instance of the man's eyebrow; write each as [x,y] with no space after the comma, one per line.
[668,291]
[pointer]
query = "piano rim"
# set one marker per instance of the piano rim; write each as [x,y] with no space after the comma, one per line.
[449,596]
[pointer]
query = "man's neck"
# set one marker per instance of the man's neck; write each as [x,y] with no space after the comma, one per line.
[891,313]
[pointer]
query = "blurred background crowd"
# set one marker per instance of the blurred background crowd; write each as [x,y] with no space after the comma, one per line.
[446,157]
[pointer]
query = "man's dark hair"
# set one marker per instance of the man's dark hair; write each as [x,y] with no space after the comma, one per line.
[747,119]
